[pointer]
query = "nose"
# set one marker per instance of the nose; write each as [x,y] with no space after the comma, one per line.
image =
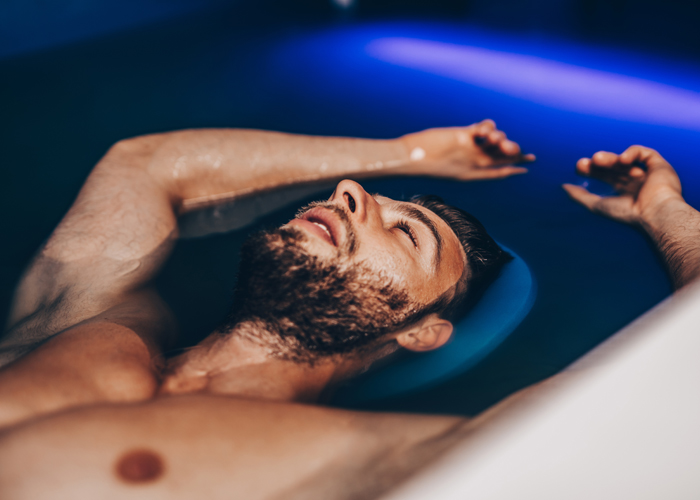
[355,199]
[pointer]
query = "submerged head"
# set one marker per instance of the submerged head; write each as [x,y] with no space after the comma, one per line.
[360,274]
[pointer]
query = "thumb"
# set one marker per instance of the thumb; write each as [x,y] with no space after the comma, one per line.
[582,195]
[619,208]
[501,172]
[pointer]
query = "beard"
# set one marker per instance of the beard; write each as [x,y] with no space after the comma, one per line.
[304,308]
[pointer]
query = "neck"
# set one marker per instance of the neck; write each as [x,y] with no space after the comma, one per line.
[235,364]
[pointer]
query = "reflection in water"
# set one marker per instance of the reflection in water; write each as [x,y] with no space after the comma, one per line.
[548,82]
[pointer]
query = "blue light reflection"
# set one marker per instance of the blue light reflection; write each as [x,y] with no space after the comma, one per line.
[547,82]
[558,98]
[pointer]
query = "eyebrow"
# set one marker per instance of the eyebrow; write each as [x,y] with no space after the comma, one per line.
[417,215]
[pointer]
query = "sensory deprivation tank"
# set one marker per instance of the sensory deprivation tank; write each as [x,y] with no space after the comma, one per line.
[338,70]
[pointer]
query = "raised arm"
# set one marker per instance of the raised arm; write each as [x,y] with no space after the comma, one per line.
[203,166]
[124,222]
[90,280]
[650,198]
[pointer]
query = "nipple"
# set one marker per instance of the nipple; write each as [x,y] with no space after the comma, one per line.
[139,466]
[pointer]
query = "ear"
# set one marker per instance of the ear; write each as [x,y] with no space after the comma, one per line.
[429,334]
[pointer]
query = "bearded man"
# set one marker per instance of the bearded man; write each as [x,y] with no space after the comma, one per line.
[91,408]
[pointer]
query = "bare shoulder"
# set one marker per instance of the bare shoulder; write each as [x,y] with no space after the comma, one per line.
[186,446]
[112,357]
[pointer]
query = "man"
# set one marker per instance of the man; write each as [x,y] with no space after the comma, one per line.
[90,410]
[355,253]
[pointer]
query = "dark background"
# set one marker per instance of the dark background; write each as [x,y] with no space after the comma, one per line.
[77,76]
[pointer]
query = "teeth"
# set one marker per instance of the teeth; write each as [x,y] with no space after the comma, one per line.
[324,228]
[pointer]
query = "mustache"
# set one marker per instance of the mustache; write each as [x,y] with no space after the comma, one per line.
[350,244]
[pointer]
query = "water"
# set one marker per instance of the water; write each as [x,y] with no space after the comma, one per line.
[63,108]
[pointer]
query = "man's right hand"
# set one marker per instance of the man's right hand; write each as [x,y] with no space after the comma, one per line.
[477,152]
[645,183]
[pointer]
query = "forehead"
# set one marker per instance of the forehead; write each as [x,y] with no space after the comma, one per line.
[453,258]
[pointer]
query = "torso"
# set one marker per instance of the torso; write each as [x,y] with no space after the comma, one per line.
[217,447]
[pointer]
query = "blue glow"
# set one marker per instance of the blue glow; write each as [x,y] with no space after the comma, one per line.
[551,83]
[559,98]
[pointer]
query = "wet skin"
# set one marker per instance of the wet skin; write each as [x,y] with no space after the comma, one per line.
[417,251]
[81,398]
[80,401]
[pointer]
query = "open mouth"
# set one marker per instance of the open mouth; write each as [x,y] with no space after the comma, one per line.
[322,226]
[321,222]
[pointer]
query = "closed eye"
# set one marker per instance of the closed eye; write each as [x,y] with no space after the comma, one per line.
[403,226]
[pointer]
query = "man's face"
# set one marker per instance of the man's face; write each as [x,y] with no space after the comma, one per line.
[344,273]
[408,244]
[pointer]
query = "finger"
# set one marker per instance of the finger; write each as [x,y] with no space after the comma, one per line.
[604,159]
[648,157]
[510,148]
[638,154]
[587,168]
[582,195]
[482,130]
[637,172]
[486,125]
[606,167]
[619,208]
[583,166]
[502,172]
[495,137]
[513,159]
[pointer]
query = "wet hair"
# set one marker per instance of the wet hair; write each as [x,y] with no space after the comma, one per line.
[485,259]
